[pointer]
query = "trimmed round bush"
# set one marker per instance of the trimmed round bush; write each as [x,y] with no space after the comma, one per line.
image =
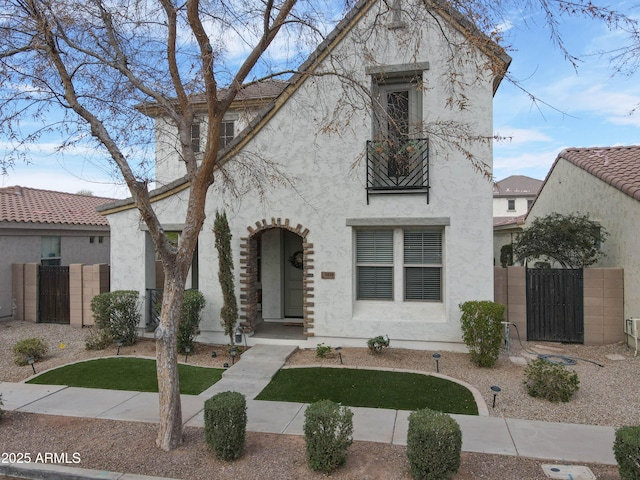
[482,330]
[29,347]
[551,381]
[328,432]
[626,449]
[225,424]
[434,445]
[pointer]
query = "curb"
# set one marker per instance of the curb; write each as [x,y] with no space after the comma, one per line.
[60,472]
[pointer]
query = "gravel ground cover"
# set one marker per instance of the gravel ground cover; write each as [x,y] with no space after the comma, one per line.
[608,395]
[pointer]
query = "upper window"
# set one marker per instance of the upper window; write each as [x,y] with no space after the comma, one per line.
[226,132]
[420,263]
[50,250]
[195,137]
[511,205]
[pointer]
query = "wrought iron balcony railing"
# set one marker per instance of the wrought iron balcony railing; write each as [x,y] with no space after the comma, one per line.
[398,166]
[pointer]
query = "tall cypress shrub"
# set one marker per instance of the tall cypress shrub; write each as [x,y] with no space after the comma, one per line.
[229,310]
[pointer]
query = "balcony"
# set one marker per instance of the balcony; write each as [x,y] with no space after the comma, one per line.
[398,166]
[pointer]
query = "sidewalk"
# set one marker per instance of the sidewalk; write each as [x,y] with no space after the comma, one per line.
[482,434]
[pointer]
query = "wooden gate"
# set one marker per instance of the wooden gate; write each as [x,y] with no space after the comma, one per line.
[555,305]
[54,294]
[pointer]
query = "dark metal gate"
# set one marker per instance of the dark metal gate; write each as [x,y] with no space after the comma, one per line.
[555,305]
[54,294]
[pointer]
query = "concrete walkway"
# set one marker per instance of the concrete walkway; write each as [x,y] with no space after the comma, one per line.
[483,434]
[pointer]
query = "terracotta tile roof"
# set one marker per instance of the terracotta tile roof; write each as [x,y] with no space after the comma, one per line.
[30,205]
[617,166]
[517,186]
[505,221]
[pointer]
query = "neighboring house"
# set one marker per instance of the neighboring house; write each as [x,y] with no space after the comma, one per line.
[512,198]
[604,183]
[48,228]
[369,233]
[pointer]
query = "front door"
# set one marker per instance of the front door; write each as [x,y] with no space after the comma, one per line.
[292,278]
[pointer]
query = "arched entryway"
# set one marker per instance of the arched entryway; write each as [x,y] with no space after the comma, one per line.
[277,278]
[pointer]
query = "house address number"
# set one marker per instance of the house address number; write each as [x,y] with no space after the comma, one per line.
[328,275]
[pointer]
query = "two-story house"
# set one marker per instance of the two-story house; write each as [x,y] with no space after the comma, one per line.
[346,211]
[512,197]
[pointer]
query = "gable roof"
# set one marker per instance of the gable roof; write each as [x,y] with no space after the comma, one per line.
[30,205]
[517,186]
[442,7]
[616,166]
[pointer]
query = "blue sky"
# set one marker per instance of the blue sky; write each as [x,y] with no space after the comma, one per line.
[590,108]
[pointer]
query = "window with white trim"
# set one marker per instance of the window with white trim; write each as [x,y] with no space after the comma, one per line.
[195,137]
[418,257]
[423,265]
[374,264]
[227,128]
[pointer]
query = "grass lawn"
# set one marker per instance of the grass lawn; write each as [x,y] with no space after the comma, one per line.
[370,388]
[126,373]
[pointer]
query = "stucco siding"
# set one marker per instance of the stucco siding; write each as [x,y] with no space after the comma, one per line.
[570,189]
[315,176]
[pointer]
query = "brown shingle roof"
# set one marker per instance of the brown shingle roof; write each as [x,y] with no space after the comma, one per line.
[30,205]
[517,186]
[617,166]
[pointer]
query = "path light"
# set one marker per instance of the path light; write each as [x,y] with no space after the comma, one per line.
[437,357]
[337,349]
[233,353]
[187,350]
[239,335]
[226,365]
[31,361]
[214,354]
[119,344]
[496,390]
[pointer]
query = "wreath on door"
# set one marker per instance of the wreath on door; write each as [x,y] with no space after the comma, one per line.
[296,259]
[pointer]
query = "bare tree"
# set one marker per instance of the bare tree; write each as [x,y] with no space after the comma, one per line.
[91,68]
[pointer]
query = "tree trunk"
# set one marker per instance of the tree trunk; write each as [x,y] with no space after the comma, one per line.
[170,429]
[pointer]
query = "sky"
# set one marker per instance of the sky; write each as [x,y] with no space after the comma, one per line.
[583,107]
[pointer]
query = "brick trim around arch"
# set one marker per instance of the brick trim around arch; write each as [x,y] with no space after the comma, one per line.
[249,274]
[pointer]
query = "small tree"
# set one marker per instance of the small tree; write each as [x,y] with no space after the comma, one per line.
[571,240]
[229,310]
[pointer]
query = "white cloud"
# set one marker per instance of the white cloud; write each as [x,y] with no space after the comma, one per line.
[534,164]
[520,136]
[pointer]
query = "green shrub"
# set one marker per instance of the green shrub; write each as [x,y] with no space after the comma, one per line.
[506,255]
[328,431]
[97,339]
[378,344]
[190,319]
[626,449]
[322,350]
[482,330]
[434,443]
[117,314]
[29,347]
[551,381]
[225,424]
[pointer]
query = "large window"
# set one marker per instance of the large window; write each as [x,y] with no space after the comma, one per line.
[418,257]
[50,251]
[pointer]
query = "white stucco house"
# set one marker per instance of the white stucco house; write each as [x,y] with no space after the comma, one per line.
[604,183]
[364,230]
[512,197]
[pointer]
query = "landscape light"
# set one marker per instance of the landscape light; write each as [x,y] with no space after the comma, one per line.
[495,389]
[339,354]
[187,350]
[437,357]
[31,361]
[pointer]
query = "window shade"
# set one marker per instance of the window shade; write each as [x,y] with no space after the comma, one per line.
[423,283]
[374,246]
[423,247]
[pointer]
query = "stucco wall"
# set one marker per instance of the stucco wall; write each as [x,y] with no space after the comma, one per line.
[323,185]
[570,189]
[501,206]
[602,300]
[25,247]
